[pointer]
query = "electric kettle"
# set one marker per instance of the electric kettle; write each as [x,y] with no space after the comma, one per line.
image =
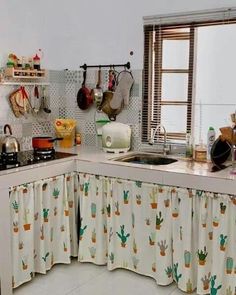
[9,143]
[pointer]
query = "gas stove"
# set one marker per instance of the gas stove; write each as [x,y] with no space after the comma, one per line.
[31,157]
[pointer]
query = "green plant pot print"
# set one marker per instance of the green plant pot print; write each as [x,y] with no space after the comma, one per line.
[26,221]
[15,206]
[93,210]
[214,289]
[189,286]
[222,208]
[222,242]
[163,246]
[123,237]
[187,258]
[126,197]
[202,254]
[56,193]
[45,214]
[229,265]
[159,221]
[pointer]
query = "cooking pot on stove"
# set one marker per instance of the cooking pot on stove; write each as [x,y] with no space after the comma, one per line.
[9,143]
[44,142]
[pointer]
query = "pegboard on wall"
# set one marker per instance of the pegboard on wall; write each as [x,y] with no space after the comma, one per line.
[62,93]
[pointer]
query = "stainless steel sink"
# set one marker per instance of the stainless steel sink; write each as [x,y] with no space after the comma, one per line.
[146,159]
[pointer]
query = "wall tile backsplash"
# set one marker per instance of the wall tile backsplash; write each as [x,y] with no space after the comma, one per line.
[62,90]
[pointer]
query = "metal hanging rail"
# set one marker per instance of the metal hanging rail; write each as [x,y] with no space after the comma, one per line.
[85,66]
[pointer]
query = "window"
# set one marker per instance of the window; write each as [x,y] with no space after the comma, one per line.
[172,92]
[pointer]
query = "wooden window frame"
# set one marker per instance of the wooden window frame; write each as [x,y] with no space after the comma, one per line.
[152,94]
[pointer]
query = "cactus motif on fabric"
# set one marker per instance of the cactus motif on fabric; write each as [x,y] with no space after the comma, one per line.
[202,254]
[210,235]
[105,227]
[169,271]
[159,221]
[92,251]
[15,226]
[206,281]
[153,197]
[45,257]
[108,210]
[93,236]
[135,247]
[222,208]
[112,257]
[187,258]
[36,216]
[86,188]
[167,203]
[64,247]
[222,242]
[152,238]
[147,220]
[204,219]
[181,233]
[189,286]
[154,269]
[138,183]
[229,291]
[45,214]
[42,232]
[175,212]
[93,210]
[138,199]
[117,211]
[126,197]
[51,234]
[26,221]
[214,290]
[135,261]
[163,246]
[81,231]
[55,211]
[123,237]
[175,272]
[20,245]
[215,221]
[110,234]
[133,219]
[56,193]
[15,206]
[229,265]
[24,263]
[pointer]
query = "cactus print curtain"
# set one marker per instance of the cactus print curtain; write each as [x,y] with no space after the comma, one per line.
[168,233]
[43,218]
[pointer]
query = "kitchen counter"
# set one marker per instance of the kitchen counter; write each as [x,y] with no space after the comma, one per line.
[183,173]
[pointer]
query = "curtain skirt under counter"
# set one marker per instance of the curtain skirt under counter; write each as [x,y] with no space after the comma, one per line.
[44,225]
[167,233]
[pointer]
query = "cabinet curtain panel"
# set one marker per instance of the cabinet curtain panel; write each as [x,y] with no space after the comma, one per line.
[168,233]
[44,225]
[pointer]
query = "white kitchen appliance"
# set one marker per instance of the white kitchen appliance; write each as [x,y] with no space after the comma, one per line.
[116,137]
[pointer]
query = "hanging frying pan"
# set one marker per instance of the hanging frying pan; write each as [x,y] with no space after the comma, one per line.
[220,152]
[84,99]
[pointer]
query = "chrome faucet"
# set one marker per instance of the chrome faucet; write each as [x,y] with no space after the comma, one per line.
[151,141]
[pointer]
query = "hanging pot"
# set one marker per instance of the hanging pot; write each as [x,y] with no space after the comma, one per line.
[44,142]
[84,98]
[9,144]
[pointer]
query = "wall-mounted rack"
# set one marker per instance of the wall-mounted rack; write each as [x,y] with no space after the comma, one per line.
[24,83]
[85,66]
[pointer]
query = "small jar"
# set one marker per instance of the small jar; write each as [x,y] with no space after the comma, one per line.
[78,138]
[200,153]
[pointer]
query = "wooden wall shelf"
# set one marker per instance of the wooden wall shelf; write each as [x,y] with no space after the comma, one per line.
[24,74]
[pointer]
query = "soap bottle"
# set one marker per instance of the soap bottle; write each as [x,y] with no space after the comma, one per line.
[211,136]
[189,146]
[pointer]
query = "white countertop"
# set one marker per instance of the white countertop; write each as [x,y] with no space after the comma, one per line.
[183,173]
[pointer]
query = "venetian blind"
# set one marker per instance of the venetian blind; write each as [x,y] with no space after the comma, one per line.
[176,27]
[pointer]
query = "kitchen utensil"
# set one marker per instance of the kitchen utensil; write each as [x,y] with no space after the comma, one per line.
[84,98]
[220,152]
[36,104]
[106,108]
[44,142]
[44,102]
[9,143]
[97,93]
[116,137]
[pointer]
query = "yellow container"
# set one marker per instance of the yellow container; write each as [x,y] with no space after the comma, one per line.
[65,128]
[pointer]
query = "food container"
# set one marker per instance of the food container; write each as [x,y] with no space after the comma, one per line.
[200,153]
[65,128]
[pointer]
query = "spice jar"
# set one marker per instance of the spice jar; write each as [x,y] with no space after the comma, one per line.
[200,153]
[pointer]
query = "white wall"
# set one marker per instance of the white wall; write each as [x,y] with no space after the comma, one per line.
[76,31]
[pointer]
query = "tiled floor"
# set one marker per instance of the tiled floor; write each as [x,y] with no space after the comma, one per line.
[88,279]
